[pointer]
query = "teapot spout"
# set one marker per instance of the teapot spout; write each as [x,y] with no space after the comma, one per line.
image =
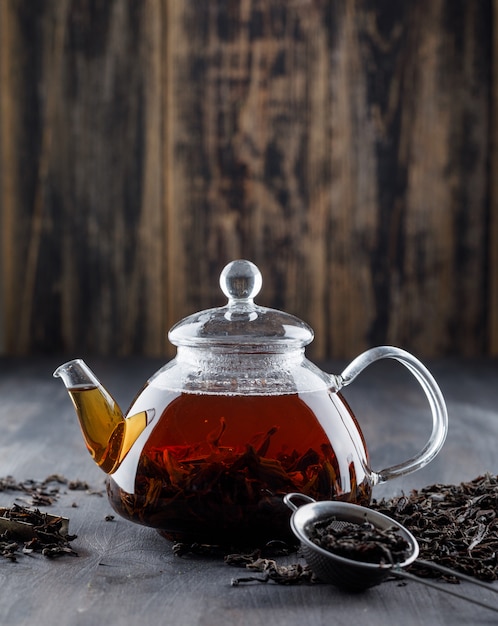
[108,434]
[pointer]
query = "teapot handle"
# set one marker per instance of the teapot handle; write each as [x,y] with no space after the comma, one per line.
[433,393]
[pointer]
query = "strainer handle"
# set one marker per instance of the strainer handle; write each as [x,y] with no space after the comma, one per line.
[397,571]
[431,390]
[289,497]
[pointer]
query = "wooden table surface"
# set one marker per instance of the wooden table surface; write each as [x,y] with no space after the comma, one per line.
[127,574]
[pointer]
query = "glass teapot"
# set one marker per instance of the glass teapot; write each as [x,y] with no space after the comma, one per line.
[239,418]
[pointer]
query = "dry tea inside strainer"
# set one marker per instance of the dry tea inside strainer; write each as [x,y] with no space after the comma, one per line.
[357,572]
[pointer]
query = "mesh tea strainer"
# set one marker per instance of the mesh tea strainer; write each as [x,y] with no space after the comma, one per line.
[354,575]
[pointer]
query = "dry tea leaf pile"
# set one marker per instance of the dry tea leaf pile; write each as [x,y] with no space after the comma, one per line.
[29,530]
[455,525]
[25,529]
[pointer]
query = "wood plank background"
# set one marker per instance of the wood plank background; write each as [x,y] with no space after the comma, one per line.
[349,148]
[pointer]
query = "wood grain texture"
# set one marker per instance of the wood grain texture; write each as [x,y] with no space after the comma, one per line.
[493,233]
[343,147]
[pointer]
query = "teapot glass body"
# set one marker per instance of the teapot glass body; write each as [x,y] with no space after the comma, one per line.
[233,434]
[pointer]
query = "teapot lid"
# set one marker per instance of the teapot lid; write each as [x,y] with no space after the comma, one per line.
[241,322]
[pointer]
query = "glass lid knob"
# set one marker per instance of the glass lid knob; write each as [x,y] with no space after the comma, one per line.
[241,280]
[241,323]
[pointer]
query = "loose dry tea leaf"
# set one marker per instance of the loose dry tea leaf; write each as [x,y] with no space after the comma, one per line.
[78,485]
[455,525]
[360,542]
[44,492]
[281,574]
[200,549]
[292,574]
[37,531]
[8,549]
